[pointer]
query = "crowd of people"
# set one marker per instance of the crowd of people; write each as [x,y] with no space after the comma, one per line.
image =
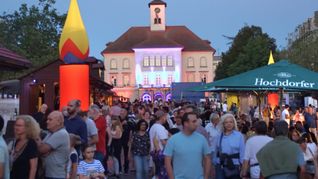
[162,140]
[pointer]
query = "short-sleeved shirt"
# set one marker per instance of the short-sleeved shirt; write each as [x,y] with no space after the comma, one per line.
[91,129]
[158,131]
[87,169]
[253,145]
[21,166]
[76,126]
[4,158]
[57,159]
[101,128]
[187,154]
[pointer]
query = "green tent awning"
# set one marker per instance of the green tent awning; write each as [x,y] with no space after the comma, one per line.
[281,75]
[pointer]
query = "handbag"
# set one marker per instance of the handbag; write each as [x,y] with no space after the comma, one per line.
[310,165]
[228,170]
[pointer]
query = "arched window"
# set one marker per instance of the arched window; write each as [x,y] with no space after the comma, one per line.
[126,63]
[113,64]
[203,62]
[190,62]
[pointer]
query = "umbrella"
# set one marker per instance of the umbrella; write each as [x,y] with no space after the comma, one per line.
[281,75]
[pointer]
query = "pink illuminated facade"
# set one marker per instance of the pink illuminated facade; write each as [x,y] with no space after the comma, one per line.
[144,61]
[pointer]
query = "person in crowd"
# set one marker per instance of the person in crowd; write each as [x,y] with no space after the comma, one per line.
[186,151]
[140,147]
[281,157]
[224,107]
[115,141]
[309,150]
[178,123]
[128,127]
[73,157]
[253,145]
[87,117]
[298,116]
[89,167]
[55,147]
[213,130]
[140,112]
[24,153]
[300,127]
[229,149]
[158,139]
[101,125]
[115,109]
[4,154]
[285,114]
[293,134]
[40,116]
[310,119]
[74,123]
[147,116]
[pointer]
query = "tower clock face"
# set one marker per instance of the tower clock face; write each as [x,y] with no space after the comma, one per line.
[157,10]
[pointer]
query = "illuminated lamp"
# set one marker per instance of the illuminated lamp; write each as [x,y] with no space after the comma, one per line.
[74,84]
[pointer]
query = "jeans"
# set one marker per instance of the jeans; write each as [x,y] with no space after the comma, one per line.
[142,166]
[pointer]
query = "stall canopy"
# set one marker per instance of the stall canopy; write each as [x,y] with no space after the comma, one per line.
[281,75]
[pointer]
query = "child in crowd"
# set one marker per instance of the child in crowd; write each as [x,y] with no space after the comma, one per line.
[89,167]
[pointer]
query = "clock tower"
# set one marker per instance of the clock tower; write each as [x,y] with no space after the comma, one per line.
[157,15]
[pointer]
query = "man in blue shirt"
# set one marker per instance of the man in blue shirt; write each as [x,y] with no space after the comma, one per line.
[186,151]
[74,123]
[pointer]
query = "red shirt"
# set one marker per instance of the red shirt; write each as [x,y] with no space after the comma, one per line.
[101,128]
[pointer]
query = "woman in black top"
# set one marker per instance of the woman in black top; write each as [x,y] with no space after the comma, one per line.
[23,154]
[140,149]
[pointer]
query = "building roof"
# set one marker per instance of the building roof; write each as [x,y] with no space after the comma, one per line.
[143,37]
[157,2]
[11,60]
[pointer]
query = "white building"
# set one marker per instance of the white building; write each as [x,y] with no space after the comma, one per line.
[144,61]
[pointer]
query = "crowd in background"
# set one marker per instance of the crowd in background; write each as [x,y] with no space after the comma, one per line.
[162,140]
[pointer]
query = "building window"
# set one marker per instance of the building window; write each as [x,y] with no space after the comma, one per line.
[146,62]
[158,80]
[164,61]
[152,61]
[113,64]
[126,80]
[170,61]
[126,63]
[190,62]
[146,80]
[203,62]
[114,81]
[190,77]
[170,79]
[158,63]
[203,78]
[157,20]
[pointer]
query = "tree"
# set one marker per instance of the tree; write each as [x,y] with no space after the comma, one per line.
[302,49]
[32,32]
[249,50]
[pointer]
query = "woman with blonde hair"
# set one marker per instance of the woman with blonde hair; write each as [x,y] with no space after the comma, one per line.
[115,142]
[229,149]
[24,152]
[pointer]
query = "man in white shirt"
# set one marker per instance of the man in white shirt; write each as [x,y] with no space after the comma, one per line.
[224,107]
[253,145]
[158,134]
[285,114]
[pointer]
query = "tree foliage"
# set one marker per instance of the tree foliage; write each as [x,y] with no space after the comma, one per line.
[249,49]
[302,49]
[32,32]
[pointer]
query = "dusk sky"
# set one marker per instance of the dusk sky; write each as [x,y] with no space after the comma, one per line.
[106,20]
